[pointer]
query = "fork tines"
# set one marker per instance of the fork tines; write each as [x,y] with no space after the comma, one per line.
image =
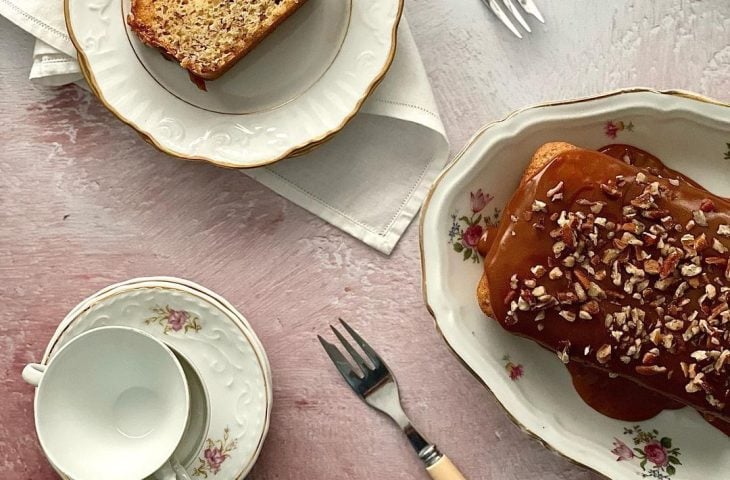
[369,373]
[527,5]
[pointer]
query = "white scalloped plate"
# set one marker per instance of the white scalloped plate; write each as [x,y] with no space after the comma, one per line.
[690,134]
[293,91]
[220,345]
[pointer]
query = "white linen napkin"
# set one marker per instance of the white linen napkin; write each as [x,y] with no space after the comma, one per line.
[52,67]
[369,180]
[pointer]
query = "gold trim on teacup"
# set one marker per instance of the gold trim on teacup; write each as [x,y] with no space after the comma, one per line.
[452,163]
[125,287]
[293,152]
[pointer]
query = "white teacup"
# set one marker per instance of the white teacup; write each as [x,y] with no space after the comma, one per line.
[113,403]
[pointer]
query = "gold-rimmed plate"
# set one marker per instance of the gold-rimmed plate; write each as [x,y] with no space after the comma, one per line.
[690,134]
[292,92]
[217,342]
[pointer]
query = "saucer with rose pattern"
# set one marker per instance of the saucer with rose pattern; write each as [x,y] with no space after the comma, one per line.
[221,349]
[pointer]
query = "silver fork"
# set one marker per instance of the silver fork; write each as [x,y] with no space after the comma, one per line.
[527,5]
[375,384]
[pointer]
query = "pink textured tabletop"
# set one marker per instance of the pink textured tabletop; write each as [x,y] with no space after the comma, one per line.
[84,202]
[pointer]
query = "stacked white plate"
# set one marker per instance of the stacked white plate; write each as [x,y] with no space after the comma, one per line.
[226,366]
[296,89]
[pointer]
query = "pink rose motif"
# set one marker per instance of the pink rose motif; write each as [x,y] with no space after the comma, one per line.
[612,128]
[472,235]
[176,319]
[515,371]
[479,200]
[621,450]
[656,454]
[215,458]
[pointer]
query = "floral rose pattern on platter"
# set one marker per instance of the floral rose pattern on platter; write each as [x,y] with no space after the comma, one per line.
[174,320]
[612,128]
[214,454]
[515,371]
[658,458]
[466,231]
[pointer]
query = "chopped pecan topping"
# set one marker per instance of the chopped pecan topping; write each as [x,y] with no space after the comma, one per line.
[510,297]
[582,277]
[567,236]
[701,243]
[655,214]
[650,357]
[650,369]
[644,201]
[538,271]
[563,352]
[670,264]
[674,324]
[715,260]
[699,217]
[690,270]
[567,315]
[652,267]
[722,359]
[610,190]
[707,205]
[555,273]
[538,206]
[718,246]
[657,283]
[567,298]
[603,354]
[557,188]
[592,307]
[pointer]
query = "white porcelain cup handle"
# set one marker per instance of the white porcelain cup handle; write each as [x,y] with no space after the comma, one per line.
[172,470]
[33,372]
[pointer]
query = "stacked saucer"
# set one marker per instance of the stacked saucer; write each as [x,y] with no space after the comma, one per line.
[225,364]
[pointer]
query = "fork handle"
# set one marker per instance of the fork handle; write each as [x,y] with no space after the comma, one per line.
[444,469]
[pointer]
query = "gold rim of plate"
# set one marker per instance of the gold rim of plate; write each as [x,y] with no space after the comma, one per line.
[452,163]
[296,151]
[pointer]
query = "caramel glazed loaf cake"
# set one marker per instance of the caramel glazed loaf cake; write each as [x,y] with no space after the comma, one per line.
[617,267]
[207,37]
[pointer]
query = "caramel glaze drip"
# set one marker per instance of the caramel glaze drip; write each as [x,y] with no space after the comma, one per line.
[618,397]
[719,424]
[678,356]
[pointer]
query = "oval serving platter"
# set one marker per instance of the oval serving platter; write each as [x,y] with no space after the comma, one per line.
[295,90]
[690,134]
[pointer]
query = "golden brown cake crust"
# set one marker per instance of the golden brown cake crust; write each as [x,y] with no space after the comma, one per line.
[205,37]
[483,296]
[543,156]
